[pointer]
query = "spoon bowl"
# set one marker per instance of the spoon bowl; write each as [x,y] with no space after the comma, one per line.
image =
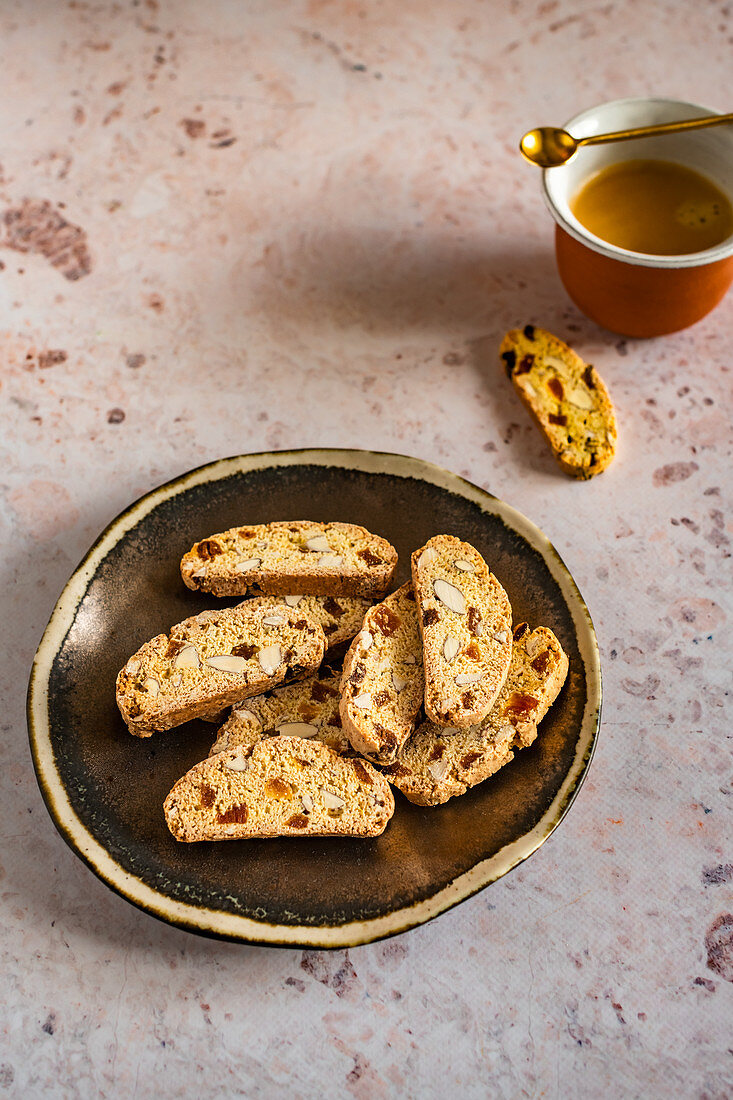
[548,146]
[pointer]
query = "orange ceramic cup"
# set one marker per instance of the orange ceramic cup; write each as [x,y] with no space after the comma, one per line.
[635,293]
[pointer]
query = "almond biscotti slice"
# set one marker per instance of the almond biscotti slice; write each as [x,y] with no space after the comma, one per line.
[319,559]
[565,396]
[340,617]
[214,660]
[282,786]
[307,709]
[439,763]
[383,683]
[466,625]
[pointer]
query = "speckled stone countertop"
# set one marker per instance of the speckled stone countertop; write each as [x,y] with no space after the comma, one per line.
[272,225]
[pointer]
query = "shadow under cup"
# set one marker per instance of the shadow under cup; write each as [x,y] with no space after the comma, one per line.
[633,293]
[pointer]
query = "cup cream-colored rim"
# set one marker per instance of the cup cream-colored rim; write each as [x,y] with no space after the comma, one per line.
[574,228]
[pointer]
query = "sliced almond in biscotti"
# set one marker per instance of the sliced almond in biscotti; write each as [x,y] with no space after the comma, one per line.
[301,556]
[438,763]
[566,397]
[281,786]
[214,660]
[383,684]
[466,625]
[306,709]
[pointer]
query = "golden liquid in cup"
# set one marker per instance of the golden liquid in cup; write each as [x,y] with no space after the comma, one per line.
[654,206]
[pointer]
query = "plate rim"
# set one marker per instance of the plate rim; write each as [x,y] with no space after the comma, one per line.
[237,927]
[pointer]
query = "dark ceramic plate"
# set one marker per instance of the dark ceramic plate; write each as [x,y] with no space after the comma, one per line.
[104,789]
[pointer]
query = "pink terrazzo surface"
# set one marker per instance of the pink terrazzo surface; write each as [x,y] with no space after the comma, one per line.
[304,224]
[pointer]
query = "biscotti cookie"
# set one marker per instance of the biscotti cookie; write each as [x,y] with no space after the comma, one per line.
[466,625]
[438,763]
[282,786]
[340,617]
[214,660]
[308,709]
[566,397]
[318,559]
[383,683]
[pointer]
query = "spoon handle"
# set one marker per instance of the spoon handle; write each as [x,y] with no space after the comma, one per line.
[660,128]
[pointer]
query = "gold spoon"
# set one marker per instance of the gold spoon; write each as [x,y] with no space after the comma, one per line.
[549,147]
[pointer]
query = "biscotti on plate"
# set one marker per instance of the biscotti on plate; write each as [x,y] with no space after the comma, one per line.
[434,690]
[565,396]
[213,660]
[309,708]
[383,684]
[466,625]
[280,786]
[300,556]
[340,617]
[439,763]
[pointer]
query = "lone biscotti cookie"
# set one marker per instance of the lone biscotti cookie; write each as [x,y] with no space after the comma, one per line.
[308,709]
[320,559]
[466,625]
[214,660]
[282,786]
[383,682]
[566,397]
[438,763]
